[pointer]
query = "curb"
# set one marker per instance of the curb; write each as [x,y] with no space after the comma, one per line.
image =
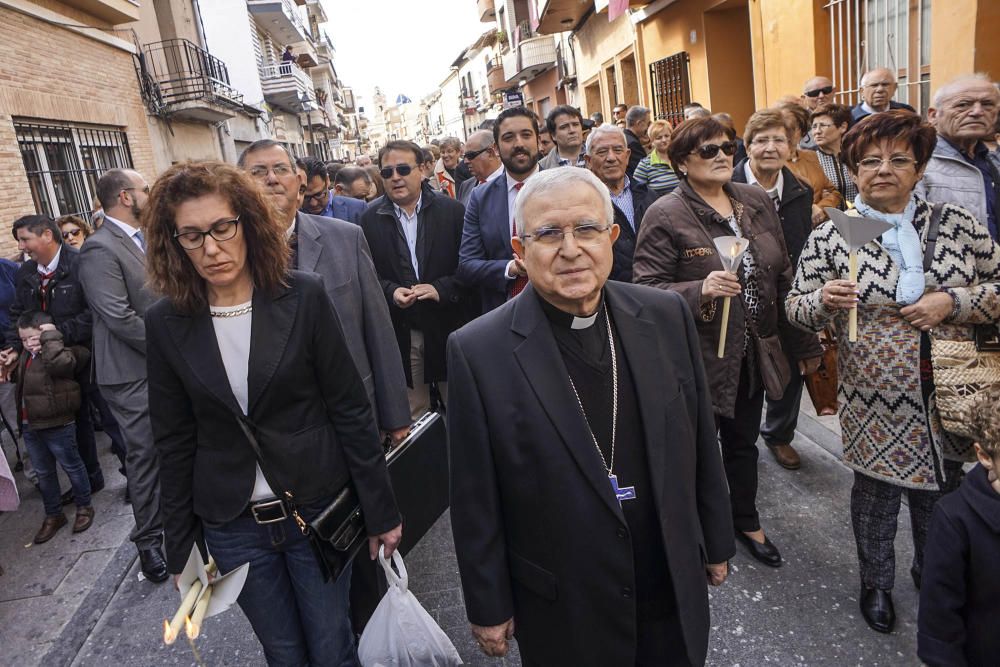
[74,634]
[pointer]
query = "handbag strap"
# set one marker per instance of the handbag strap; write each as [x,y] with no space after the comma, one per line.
[930,243]
[285,495]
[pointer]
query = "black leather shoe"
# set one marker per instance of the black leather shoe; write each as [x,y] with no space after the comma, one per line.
[153,566]
[876,607]
[766,553]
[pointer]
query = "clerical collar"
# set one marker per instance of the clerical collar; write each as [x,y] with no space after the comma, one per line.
[568,320]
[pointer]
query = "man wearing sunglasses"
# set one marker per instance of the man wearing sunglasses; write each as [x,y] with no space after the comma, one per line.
[484,163]
[319,199]
[113,273]
[414,234]
[817,91]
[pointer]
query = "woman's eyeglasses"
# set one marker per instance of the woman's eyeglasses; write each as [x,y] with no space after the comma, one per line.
[220,231]
[709,151]
[825,90]
[401,169]
[897,162]
[71,233]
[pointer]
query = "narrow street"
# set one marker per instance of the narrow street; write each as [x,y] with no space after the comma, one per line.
[78,600]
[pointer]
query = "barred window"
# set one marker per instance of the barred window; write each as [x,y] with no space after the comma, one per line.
[63,162]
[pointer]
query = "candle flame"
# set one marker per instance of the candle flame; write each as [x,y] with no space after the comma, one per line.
[168,637]
[734,250]
[190,628]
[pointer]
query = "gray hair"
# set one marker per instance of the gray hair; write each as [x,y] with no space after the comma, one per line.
[544,182]
[949,89]
[635,115]
[602,130]
[451,142]
[864,77]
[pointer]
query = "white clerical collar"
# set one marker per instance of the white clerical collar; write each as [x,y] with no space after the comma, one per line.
[584,322]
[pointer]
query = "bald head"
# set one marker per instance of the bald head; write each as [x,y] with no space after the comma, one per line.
[965,110]
[877,88]
[488,160]
[817,91]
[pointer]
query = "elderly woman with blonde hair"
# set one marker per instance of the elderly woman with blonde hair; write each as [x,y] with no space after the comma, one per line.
[654,170]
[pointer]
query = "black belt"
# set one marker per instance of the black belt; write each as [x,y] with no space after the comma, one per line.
[264,512]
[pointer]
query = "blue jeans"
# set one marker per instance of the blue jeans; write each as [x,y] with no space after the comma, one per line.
[46,447]
[298,618]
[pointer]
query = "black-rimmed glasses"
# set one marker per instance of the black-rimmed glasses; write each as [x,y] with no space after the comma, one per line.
[223,230]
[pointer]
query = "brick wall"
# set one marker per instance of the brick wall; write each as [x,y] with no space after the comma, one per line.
[51,74]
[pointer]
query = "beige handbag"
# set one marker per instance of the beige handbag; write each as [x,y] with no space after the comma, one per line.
[963,369]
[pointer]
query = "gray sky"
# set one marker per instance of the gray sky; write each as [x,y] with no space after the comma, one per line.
[402,46]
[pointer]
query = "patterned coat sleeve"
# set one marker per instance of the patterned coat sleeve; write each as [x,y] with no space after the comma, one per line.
[978,303]
[817,265]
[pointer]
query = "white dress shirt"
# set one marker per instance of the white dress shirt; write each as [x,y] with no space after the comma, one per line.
[128,229]
[409,224]
[51,267]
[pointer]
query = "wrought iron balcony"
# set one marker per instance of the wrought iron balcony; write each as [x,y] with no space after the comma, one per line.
[180,79]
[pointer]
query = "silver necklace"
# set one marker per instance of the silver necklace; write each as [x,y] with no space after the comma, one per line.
[621,493]
[232,313]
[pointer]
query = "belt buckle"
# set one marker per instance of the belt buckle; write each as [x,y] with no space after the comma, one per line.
[265,506]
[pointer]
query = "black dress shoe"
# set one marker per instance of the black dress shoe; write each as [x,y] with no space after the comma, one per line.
[876,607]
[153,566]
[765,552]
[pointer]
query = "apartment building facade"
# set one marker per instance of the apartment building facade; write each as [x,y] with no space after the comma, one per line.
[71,114]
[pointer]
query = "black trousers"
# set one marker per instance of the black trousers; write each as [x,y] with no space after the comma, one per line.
[738,437]
[782,415]
[85,439]
[660,643]
[875,514]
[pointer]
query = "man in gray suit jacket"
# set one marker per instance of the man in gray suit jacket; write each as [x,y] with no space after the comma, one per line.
[113,272]
[338,252]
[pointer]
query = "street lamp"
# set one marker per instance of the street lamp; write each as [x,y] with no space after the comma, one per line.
[308,107]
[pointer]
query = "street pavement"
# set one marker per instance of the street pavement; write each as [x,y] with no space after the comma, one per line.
[79,600]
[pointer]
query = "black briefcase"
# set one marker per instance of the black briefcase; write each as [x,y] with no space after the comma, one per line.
[418,468]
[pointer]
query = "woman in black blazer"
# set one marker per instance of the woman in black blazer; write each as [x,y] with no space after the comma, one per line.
[238,334]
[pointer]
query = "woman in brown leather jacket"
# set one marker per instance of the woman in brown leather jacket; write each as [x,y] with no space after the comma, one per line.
[675,250]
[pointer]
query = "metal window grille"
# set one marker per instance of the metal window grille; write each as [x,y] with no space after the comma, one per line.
[865,34]
[64,161]
[670,82]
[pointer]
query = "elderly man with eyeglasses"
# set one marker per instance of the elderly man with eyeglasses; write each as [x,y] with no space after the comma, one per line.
[878,86]
[588,496]
[607,155]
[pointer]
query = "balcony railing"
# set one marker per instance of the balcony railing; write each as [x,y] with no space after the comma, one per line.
[288,71]
[179,76]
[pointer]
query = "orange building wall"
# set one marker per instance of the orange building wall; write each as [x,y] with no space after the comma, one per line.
[791,44]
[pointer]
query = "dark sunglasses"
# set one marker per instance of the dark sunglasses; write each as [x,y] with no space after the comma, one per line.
[401,169]
[71,233]
[825,90]
[472,155]
[709,151]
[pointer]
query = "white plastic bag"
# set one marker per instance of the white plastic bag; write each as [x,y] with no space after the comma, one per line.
[401,633]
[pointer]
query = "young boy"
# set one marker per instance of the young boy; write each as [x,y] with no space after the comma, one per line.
[959,619]
[48,398]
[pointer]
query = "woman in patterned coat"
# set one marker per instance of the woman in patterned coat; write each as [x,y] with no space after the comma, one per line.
[892,432]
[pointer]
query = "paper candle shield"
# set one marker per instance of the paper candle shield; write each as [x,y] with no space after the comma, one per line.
[225,589]
[731,249]
[855,229]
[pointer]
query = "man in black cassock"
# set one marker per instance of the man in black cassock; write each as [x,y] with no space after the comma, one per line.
[589,504]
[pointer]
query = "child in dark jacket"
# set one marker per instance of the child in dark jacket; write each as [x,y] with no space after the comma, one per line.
[959,619]
[48,398]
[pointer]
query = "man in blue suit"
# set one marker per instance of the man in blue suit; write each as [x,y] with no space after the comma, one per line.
[486,260]
[320,200]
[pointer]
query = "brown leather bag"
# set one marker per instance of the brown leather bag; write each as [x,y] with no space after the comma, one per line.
[822,385]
